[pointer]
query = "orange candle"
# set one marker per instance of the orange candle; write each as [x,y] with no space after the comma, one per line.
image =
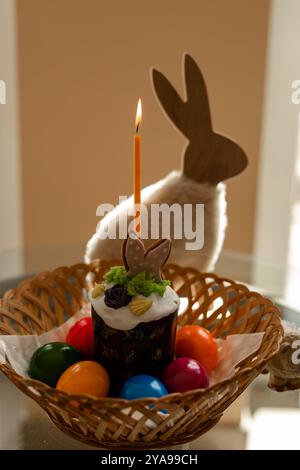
[137,166]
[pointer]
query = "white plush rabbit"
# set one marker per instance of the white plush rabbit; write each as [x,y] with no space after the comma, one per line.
[208,159]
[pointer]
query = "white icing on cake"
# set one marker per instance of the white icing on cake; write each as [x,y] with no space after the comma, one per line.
[123,319]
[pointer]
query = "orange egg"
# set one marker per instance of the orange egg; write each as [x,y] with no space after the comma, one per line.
[85,378]
[197,343]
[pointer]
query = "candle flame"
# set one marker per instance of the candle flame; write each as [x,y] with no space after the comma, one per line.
[138,118]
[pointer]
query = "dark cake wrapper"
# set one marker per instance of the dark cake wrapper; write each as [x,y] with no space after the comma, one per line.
[145,349]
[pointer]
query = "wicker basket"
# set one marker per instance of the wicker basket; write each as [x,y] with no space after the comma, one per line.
[46,301]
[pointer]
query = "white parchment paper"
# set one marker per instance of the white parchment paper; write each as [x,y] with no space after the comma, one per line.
[17,350]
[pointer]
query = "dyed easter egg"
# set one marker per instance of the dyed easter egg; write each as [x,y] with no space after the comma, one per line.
[81,336]
[85,378]
[185,374]
[50,360]
[197,343]
[143,386]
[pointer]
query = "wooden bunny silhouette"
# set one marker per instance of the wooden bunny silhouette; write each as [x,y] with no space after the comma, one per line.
[136,259]
[208,159]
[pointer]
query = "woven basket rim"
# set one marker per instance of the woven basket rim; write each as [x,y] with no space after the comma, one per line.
[146,400]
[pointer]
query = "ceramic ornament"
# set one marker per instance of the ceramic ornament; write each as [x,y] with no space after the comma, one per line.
[284,367]
[208,159]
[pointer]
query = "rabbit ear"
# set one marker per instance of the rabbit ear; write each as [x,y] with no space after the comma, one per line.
[157,256]
[191,117]
[133,254]
[168,98]
[211,157]
[197,100]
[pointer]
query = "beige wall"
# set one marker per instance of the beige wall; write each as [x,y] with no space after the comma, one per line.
[84,63]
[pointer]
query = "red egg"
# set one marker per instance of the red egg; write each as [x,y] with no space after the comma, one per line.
[185,374]
[197,343]
[81,336]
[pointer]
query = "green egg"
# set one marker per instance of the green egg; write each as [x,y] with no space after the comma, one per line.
[50,360]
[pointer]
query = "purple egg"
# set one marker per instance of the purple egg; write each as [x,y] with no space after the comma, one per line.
[185,374]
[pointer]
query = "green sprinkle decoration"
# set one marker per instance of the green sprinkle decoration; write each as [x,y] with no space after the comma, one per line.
[141,284]
[116,275]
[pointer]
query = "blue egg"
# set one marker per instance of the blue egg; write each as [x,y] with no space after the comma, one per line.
[142,386]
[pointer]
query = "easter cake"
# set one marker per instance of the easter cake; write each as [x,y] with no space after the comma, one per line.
[134,313]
